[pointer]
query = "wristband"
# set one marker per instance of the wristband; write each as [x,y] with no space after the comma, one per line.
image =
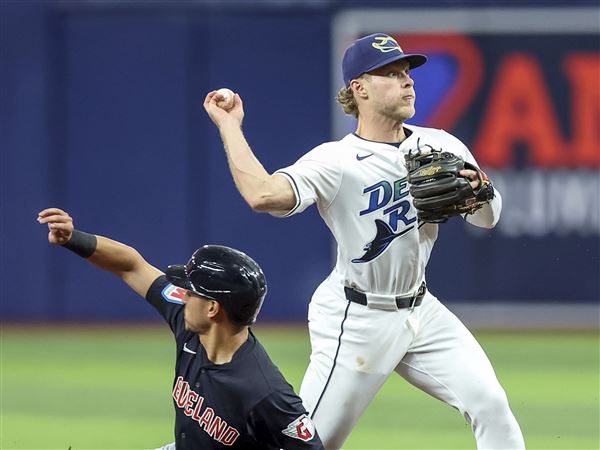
[84,244]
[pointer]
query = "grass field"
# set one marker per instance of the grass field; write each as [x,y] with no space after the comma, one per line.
[109,388]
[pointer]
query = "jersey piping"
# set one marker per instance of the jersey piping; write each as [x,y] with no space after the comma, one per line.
[296,193]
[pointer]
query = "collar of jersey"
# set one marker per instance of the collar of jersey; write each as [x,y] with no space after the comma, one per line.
[240,354]
[393,144]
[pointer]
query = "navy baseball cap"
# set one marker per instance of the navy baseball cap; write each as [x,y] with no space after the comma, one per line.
[375,51]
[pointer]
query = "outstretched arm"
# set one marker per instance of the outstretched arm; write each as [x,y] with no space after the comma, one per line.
[262,191]
[113,256]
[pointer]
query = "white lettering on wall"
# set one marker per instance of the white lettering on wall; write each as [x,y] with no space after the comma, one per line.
[543,202]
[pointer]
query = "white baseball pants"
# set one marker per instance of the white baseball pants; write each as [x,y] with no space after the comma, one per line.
[355,349]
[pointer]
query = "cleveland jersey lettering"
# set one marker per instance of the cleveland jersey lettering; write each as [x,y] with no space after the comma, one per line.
[193,406]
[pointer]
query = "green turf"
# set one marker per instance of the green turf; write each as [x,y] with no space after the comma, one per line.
[109,388]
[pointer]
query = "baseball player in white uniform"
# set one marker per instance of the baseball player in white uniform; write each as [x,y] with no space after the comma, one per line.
[374,315]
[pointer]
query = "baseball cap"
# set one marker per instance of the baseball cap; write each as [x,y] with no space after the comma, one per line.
[375,51]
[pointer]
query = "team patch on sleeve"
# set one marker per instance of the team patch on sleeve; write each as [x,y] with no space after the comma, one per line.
[302,428]
[173,294]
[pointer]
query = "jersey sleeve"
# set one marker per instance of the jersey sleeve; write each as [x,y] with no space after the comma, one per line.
[315,178]
[167,300]
[280,421]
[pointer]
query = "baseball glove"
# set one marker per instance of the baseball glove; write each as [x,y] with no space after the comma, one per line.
[439,191]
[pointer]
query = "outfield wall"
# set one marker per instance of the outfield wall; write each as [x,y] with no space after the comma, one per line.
[101,114]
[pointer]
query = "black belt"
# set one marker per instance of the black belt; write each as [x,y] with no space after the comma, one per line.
[411,301]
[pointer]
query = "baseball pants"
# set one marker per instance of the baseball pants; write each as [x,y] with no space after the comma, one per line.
[355,349]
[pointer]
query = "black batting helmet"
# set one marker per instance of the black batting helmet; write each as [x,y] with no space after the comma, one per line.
[226,275]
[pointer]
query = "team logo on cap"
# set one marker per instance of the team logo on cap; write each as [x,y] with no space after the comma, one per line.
[386,44]
[302,428]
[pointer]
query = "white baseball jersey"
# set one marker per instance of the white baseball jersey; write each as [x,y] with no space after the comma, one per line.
[361,192]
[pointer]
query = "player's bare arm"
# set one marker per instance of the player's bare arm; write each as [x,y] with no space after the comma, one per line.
[262,191]
[120,259]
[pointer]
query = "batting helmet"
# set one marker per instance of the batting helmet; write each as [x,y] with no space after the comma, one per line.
[226,275]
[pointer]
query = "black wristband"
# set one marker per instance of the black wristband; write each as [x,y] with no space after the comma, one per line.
[84,244]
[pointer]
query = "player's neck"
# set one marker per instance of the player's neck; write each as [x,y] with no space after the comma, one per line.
[221,343]
[375,129]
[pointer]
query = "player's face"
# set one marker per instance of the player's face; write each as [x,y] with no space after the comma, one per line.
[391,91]
[195,313]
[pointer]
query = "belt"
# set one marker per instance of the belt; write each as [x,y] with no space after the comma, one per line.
[410,301]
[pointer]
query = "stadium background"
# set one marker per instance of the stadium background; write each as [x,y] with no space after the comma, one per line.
[101,115]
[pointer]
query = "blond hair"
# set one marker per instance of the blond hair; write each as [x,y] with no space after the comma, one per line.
[345,97]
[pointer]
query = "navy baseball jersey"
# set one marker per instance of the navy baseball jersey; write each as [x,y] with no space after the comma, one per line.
[243,404]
